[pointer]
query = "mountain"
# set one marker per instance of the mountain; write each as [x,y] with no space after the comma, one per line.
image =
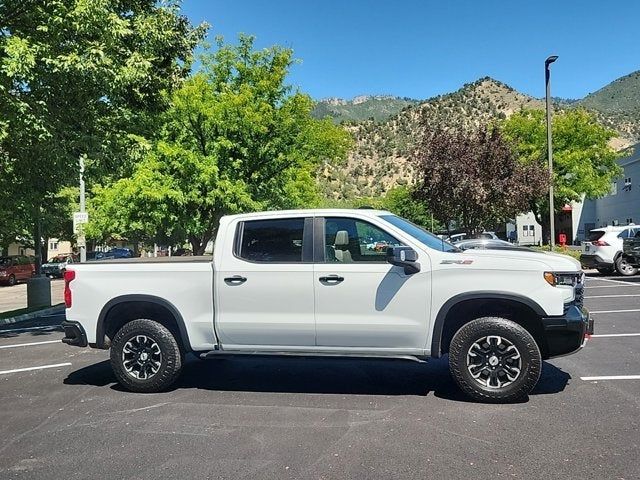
[618,104]
[364,107]
[379,158]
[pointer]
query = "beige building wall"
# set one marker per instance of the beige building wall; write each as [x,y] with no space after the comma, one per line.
[56,247]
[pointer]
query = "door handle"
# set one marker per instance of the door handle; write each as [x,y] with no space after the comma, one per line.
[235,280]
[331,279]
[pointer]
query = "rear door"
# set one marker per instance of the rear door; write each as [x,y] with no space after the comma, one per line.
[361,300]
[264,287]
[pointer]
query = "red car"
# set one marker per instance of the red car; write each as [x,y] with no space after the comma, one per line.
[15,268]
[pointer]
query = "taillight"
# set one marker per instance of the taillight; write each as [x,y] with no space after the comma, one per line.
[69,276]
[600,243]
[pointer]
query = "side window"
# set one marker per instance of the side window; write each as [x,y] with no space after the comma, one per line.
[348,240]
[272,241]
[624,234]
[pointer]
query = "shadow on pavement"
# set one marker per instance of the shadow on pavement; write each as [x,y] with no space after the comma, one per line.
[318,375]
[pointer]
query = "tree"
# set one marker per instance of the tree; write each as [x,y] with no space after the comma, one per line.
[474,178]
[402,201]
[235,139]
[584,165]
[77,78]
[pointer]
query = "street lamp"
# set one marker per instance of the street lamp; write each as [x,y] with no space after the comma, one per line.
[547,80]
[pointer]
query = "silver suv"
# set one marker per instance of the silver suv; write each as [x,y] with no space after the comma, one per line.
[603,250]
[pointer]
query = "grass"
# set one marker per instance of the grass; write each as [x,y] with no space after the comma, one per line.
[558,249]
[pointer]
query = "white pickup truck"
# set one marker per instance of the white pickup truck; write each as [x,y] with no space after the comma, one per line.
[362,283]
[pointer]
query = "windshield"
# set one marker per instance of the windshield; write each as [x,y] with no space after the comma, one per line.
[58,260]
[420,234]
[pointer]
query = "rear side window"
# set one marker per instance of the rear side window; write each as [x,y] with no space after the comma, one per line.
[595,235]
[272,241]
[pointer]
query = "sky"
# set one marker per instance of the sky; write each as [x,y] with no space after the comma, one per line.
[420,49]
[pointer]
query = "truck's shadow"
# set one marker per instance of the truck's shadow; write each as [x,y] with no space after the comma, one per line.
[318,375]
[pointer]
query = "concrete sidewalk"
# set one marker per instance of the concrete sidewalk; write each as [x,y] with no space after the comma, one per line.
[13,298]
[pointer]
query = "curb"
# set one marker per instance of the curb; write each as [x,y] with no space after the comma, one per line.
[28,316]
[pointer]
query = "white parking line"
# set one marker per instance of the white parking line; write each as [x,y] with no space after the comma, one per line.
[616,335]
[612,286]
[57,365]
[614,311]
[612,377]
[612,281]
[612,296]
[30,344]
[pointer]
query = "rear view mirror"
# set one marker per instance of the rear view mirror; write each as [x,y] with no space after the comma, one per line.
[405,257]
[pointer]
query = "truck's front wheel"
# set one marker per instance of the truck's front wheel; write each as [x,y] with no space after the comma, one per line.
[494,360]
[145,356]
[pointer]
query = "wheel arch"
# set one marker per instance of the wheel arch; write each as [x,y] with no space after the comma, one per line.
[120,310]
[465,307]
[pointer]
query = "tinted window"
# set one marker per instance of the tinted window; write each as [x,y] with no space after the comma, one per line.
[273,240]
[348,240]
[595,235]
[624,234]
[420,234]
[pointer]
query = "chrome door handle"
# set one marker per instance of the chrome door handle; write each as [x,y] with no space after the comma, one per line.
[235,280]
[331,279]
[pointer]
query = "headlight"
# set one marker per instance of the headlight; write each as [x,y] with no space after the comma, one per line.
[3,273]
[567,279]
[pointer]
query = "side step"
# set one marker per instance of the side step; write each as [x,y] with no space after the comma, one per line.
[260,353]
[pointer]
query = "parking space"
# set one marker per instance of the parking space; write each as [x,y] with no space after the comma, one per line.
[322,418]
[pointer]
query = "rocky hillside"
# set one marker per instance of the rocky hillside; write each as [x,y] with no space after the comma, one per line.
[364,107]
[618,105]
[379,158]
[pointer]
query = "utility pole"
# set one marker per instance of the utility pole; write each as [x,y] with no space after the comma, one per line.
[82,244]
[547,80]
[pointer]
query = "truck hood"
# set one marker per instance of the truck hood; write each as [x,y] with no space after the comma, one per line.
[553,262]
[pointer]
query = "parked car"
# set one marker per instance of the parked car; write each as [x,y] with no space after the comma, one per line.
[15,268]
[489,244]
[57,265]
[631,250]
[303,282]
[603,250]
[118,252]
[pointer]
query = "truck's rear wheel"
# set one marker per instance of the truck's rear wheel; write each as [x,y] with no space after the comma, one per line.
[494,360]
[145,356]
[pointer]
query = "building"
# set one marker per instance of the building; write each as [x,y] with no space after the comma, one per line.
[56,247]
[620,207]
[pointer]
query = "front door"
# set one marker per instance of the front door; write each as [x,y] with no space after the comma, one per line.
[264,291]
[361,300]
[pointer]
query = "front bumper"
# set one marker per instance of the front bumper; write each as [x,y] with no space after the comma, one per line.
[566,333]
[633,260]
[594,261]
[74,334]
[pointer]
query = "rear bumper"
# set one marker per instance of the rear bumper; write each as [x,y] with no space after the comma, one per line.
[567,333]
[594,261]
[74,334]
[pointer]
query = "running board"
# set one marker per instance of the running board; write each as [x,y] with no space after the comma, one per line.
[261,353]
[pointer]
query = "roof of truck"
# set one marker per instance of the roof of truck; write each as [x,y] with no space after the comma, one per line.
[368,212]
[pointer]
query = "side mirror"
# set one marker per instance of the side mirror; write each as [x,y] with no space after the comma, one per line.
[405,257]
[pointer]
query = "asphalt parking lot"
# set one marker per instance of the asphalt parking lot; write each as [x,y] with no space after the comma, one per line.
[63,416]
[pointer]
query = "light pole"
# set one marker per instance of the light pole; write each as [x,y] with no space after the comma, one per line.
[547,80]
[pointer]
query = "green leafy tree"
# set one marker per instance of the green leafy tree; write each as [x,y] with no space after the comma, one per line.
[235,138]
[401,201]
[584,165]
[77,77]
[474,178]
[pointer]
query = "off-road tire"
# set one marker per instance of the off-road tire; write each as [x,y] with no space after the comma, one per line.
[623,268]
[170,363]
[530,359]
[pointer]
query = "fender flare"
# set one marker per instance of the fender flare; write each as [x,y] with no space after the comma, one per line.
[100,327]
[438,325]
